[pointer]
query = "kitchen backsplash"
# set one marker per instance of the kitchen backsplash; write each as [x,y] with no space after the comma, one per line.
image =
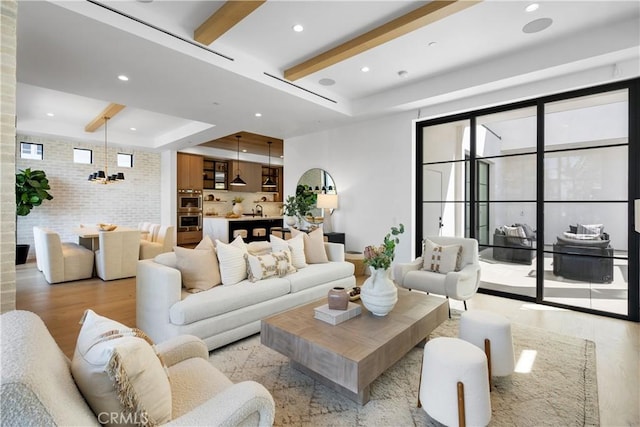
[217,202]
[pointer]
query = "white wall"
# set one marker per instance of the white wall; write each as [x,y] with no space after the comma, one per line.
[372,165]
[77,201]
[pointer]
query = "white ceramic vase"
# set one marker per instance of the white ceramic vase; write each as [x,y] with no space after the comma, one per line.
[237,209]
[291,221]
[378,293]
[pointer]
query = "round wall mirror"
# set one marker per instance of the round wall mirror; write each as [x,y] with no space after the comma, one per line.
[320,182]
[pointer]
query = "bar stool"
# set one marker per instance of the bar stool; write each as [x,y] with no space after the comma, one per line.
[454,384]
[492,333]
[259,232]
[240,232]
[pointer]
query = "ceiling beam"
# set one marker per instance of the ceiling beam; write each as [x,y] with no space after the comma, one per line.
[413,20]
[223,19]
[111,110]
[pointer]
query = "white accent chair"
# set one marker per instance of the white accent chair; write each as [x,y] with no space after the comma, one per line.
[459,285]
[149,230]
[38,388]
[58,261]
[164,242]
[117,257]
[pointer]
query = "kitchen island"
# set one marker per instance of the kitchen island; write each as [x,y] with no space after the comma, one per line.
[222,228]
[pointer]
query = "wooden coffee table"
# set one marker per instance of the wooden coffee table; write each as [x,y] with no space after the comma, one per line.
[349,356]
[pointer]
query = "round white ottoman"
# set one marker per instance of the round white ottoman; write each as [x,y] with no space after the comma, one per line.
[447,363]
[476,326]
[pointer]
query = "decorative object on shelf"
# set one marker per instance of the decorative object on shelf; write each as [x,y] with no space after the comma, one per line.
[103,177]
[237,181]
[210,198]
[269,183]
[237,206]
[378,293]
[338,298]
[327,202]
[106,227]
[31,191]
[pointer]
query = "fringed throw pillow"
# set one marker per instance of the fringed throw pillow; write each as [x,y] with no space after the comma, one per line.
[120,374]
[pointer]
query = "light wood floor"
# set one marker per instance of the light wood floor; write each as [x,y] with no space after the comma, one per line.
[617,341]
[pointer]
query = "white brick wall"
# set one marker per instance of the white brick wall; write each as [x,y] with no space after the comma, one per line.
[77,201]
[8,22]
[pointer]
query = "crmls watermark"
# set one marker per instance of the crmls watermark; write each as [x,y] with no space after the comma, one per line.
[122,418]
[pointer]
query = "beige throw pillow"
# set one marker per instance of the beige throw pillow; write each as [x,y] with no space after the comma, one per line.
[206,243]
[233,267]
[314,251]
[264,266]
[295,245]
[441,259]
[198,267]
[119,373]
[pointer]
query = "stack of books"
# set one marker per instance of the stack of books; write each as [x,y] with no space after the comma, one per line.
[335,317]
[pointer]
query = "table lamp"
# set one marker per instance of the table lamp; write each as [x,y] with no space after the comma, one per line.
[327,202]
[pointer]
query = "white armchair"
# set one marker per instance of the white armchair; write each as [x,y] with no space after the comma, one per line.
[459,285]
[38,387]
[58,261]
[164,242]
[117,257]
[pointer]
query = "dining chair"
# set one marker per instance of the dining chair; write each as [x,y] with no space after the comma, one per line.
[61,261]
[117,257]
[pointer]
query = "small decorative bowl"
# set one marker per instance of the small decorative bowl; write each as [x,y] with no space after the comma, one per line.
[107,227]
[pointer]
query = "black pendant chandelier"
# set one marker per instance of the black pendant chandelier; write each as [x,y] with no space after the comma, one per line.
[270,183]
[237,181]
[102,176]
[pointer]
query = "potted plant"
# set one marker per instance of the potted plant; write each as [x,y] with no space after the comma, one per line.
[299,205]
[290,210]
[31,191]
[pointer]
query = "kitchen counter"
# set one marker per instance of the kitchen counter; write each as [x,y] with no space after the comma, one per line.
[221,228]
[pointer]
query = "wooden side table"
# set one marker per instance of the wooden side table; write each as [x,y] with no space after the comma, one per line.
[357,259]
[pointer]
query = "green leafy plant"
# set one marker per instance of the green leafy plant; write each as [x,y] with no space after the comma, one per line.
[301,204]
[237,199]
[382,256]
[31,190]
[289,206]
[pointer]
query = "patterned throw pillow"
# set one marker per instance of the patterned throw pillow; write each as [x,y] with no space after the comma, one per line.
[274,264]
[441,259]
[590,229]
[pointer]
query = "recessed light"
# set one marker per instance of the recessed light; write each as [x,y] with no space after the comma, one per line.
[244,150]
[298,28]
[50,114]
[258,114]
[532,7]
[133,129]
[365,69]
[537,25]
[403,73]
[282,157]
[327,82]
[432,44]
[123,78]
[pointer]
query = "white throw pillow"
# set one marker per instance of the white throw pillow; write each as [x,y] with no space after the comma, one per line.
[118,372]
[259,248]
[441,259]
[516,235]
[314,251]
[590,229]
[274,264]
[233,267]
[198,268]
[295,245]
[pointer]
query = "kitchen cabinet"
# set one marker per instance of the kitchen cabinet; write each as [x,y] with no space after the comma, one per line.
[251,173]
[190,167]
[215,174]
[276,175]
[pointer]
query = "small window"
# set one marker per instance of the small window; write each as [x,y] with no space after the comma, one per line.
[29,150]
[125,160]
[82,155]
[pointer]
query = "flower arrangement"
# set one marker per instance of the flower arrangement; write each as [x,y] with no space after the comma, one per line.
[382,256]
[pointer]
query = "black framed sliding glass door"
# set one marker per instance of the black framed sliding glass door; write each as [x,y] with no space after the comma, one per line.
[546,187]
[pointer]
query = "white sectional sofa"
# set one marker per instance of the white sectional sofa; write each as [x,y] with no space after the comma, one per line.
[227,313]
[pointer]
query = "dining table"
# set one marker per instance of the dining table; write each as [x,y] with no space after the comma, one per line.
[88,235]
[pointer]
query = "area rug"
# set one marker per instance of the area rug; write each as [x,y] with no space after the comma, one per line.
[559,390]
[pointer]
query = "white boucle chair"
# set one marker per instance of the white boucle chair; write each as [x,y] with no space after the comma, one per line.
[38,388]
[164,242]
[58,261]
[459,285]
[118,255]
